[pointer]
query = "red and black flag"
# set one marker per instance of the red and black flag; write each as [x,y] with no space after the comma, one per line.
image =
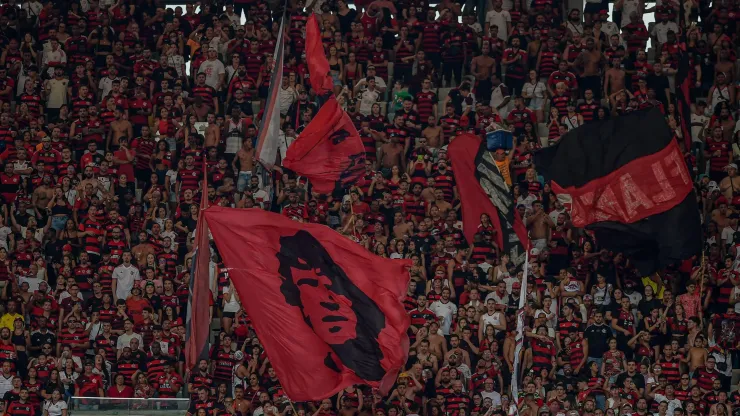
[628,182]
[328,312]
[483,190]
[198,314]
[329,152]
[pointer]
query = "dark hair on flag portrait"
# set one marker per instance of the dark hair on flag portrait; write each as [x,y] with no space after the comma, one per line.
[337,311]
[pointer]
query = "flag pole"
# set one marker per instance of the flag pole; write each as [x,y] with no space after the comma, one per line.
[519,338]
[701,281]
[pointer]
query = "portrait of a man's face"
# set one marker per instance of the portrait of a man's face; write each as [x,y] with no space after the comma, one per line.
[336,310]
[328,313]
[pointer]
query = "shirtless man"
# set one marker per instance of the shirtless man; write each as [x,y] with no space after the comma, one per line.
[439,202]
[119,127]
[730,185]
[588,64]
[423,355]
[245,157]
[433,133]
[401,228]
[539,224]
[437,342]
[391,154]
[241,405]
[481,67]
[720,214]
[42,194]
[142,250]
[428,192]
[88,179]
[213,132]
[614,79]
[724,65]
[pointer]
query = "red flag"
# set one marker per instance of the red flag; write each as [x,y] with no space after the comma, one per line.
[329,151]
[328,312]
[483,191]
[318,66]
[199,319]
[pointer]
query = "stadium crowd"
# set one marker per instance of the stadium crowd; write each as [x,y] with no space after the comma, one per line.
[110,110]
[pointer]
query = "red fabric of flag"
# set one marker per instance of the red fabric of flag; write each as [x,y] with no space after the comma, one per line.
[318,66]
[328,312]
[329,152]
[200,291]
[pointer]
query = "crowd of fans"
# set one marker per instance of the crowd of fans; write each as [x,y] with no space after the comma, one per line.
[109,112]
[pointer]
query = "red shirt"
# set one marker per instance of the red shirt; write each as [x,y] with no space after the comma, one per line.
[113,392]
[127,168]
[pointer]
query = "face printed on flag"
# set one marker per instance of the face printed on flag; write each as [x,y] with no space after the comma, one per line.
[328,313]
[332,306]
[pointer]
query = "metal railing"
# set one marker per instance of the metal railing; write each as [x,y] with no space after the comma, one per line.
[107,406]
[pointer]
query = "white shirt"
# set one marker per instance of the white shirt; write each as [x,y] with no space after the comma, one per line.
[284,143]
[629,6]
[494,396]
[672,404]
[55,409]
[57,56]
[33,282]
[446,312]
[6,384]
[5,231]
[286,97]
[609,28]
[232,305]
[499,19]
[367,99]
[660,31]
[106,85]
[177,62]
[125,278]
[728,235]
[212,69]
[32,8]
[704,121]
[57,92]
[124,340]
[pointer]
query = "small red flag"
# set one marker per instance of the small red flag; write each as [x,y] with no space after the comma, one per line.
[329,152]
[328,312]
[318,66]
[199,309]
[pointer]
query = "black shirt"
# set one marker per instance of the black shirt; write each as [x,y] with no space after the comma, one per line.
[38,339]
[638,379]
[659,83]
[597,337]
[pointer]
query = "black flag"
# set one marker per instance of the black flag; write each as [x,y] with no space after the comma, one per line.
[626,179]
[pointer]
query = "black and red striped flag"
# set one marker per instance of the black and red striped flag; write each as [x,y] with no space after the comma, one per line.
[629,183]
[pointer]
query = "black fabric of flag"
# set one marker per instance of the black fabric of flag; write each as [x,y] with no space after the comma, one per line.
[596,156]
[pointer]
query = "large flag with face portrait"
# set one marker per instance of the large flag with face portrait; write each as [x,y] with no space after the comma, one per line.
[328,312]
